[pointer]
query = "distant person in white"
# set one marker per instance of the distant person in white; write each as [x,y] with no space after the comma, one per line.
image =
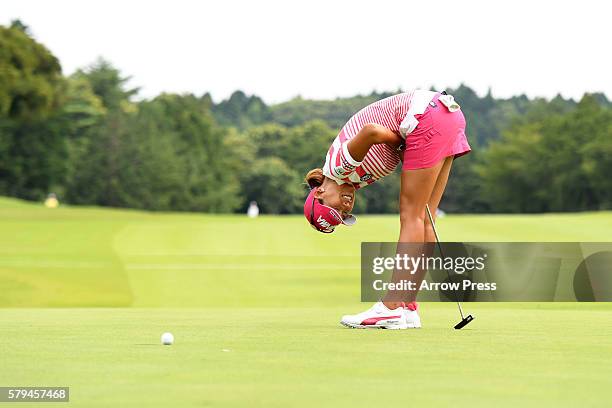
[253,210]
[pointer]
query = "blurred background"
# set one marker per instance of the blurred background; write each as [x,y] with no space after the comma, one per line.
[202,107]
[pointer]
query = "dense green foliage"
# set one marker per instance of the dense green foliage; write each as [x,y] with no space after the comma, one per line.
[31,144]
[86,138]
[558,161]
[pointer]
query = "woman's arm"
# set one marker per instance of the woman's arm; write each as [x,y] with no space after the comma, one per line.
[369,135]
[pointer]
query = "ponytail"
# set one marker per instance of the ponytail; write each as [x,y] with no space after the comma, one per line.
[314,178]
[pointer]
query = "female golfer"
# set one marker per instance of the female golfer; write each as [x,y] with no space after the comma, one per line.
[425,131]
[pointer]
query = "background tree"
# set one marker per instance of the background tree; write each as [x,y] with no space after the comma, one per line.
[274,185]
[32,146]
[242,111]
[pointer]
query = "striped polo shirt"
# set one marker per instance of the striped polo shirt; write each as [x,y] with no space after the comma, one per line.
[381,159]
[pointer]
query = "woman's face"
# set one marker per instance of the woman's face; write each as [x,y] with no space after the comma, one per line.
[338,196]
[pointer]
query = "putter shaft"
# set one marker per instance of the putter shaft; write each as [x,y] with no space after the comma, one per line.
[464,320]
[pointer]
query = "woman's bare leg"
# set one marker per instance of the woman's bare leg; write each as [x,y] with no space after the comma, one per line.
[417,189]
[436,196]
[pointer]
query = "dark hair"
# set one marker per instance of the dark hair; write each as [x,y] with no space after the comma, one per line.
[314,178]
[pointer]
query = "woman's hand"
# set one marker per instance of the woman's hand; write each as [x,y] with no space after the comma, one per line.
[394,140]
[386,136]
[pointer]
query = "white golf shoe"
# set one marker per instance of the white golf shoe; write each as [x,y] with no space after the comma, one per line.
[380,316]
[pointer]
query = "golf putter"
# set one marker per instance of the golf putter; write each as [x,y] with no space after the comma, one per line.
[464,319]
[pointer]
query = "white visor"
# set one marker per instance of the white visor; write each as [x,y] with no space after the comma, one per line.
[350,220]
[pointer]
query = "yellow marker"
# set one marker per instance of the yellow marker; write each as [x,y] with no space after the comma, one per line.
[51,202]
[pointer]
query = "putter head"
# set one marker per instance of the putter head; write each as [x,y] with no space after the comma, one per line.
[464,322]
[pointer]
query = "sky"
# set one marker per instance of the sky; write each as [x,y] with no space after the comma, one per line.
[326,49]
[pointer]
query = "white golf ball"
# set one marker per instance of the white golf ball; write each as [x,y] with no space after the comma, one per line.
[167,339]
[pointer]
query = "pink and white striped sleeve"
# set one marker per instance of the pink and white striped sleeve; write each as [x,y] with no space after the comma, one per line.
[340,164]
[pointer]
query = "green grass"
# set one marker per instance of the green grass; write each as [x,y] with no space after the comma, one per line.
[86,293]
[527,355]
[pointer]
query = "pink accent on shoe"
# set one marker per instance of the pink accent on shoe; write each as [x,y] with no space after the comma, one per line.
[413,306]
[373,320]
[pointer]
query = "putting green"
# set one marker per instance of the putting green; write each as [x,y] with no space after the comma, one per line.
[511,355]
[254,306]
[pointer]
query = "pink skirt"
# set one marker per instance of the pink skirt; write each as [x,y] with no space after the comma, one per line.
[439,134]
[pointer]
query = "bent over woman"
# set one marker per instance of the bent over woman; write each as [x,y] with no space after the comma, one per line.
[423,130]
